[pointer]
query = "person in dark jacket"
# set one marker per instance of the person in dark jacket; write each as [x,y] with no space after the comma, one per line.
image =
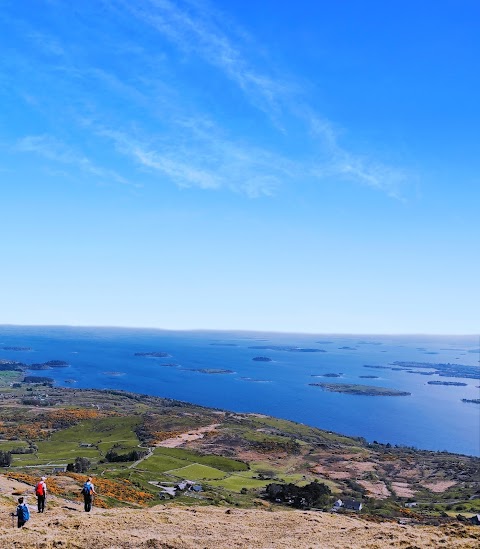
[22,513]
[88,492]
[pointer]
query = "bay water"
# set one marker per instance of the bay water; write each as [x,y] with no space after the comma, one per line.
[216,368]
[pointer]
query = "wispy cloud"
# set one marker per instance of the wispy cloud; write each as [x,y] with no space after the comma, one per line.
[54,150]
[212,163]
[197,29]
[362,169]
[133,102]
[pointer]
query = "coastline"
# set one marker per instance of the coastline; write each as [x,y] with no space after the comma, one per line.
[284,390]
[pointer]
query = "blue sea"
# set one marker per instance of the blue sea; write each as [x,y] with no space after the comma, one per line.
[433,417]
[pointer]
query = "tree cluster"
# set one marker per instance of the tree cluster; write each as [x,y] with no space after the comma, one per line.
[112,456]
[81,465]
[315,494]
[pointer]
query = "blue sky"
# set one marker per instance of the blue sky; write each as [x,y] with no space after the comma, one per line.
[286,166]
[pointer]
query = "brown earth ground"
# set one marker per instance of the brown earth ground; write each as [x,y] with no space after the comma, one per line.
[65,525]
[439,486]
[184,438]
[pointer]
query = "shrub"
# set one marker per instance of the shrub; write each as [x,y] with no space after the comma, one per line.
[5,459]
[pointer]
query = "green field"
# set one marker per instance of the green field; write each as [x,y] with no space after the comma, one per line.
[236,483]
[64,446]
[224,464]
[161,463]
[197,472]
[8,445]
[7,377]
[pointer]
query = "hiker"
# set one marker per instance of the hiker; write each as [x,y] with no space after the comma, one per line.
[22,513]
[88,492]
[41,493]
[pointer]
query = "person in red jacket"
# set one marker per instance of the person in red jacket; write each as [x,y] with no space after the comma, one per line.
[41,493]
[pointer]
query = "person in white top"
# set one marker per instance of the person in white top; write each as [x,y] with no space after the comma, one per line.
[41,493]
[88,492]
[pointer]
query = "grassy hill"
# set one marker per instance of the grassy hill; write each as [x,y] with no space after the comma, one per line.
[135,445]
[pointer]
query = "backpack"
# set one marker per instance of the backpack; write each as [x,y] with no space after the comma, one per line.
[23,513]
[87,489]
[39,489]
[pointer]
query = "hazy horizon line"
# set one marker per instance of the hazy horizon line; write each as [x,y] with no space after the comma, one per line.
[247,330]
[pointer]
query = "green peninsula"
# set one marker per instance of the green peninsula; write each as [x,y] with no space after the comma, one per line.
[364,390]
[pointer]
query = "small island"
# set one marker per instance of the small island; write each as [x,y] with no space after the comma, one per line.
[48,365]
[346,348]
[303,350]
[155,354]
[211,371]
[452,383]
[253,380]
[328,375]
[442,369]
[471,400]
[13,348]
[369,377]
[56,363]
[287,349]
[262,359]
[362,390]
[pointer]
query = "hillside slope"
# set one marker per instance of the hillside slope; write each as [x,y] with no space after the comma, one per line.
[65,525]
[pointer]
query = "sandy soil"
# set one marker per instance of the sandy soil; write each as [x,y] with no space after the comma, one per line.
[376,489]
[408,473]
[212,527]
[439,486]
[65,525]
[192,435]
[403,490]
[339,475]
[342,469]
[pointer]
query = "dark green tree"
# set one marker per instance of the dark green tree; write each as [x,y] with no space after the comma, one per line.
[5,459]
